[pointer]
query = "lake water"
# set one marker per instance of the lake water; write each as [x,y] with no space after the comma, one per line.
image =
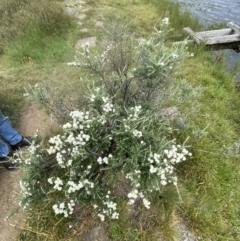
[216,11]
[213,11]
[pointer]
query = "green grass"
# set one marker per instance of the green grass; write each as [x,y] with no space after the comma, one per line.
[209,182]
[36,31]
[211,176]
[35,47]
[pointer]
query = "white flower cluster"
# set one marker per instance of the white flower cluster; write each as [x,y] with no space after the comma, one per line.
[69,145]
[165,21]
[105,53]
[135,112]
[110,209]
[103,160]
[175,56]
[88,186]
[78,117]
[93,97]
[74,63]
[137,133]
[64,209]
[161,172]
[73,187]
[58,183]
[134,177]
[80,139]
[177,154]
[134,195]
[58,144]
[25,188]
[163,167]
[28,161]
[133,116]
[107,106]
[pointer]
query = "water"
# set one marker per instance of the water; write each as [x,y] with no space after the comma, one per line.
[213,11]
[216,11]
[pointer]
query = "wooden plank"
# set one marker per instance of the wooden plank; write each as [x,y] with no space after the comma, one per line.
[234,27]
[223,39]
[197,38]
[215,33]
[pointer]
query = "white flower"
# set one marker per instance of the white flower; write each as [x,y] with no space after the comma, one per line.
[146,203]
[102,217]
[93,98]
[100,160]
[97,89]
[165,21]
[66,126]
[115,215]
[58,183]
[105,160]
[62,205]
[163,182]
[137,133]
[152,169]
[69,162]
[50,180]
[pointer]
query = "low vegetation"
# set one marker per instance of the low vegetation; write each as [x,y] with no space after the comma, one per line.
[190,106]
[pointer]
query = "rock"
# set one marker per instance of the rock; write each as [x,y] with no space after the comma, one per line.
[71,11]
[99,23]
[84,30]
[81,16]
[169,113]
[91,41]
[96,234]
[185,233]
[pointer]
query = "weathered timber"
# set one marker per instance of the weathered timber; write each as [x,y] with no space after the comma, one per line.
[223,39]
[234,27]
[215,37]
[196,37]
[215,33]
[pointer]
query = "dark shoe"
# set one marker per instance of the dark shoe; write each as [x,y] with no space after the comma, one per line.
[11,166]
[26,141]
[8,164]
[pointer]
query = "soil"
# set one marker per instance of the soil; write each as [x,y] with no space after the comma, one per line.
[30,121]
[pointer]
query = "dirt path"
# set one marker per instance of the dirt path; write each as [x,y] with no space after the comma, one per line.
[30,121]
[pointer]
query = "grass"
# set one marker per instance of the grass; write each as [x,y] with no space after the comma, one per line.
[209,183]
[212,176]
[36,31]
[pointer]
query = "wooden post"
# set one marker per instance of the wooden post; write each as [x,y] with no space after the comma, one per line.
[234,27]
[196,37]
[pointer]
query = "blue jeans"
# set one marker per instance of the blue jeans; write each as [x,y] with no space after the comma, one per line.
[8,134]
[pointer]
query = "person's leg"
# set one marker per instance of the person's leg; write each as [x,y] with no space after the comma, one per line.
[13,138]
[7,132]
[4,151]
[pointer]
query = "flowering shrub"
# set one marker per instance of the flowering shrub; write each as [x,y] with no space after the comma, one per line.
[115,136]
[134,71]
[97,146]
